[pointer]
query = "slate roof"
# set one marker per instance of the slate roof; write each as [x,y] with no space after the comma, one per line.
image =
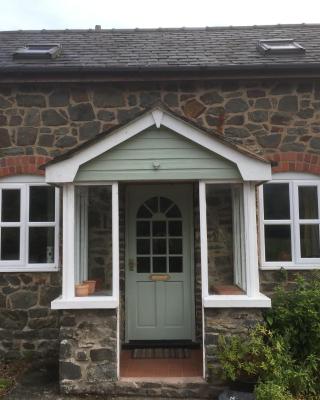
[216,48]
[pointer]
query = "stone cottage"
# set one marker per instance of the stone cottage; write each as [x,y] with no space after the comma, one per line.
[154,185]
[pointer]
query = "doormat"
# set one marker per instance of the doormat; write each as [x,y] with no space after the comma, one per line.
[162,352]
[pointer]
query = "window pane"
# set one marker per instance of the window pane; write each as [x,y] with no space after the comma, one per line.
[143,228]
[10,243]
[143,246]
[220,236]
[174,212]
[175,246]
[278,242]
[276,201]
[10,205]
[143,264]
[143,212]
[41,245]
[42,203]
[153,204]
[98,200]
[159,246]
[309,241]
[164,204]
[159,264]
[308,202]
[175,228]
[159,228]
[175,264]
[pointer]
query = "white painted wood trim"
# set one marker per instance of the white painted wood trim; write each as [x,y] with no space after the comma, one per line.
[249,167]
[79,303]
[250,239]
[68,275]
[203,239]
[115,241]
[233,301]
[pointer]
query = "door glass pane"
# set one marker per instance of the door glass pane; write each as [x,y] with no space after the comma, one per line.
[278,242]
[175,246]
[143,264]
[174,212]
[175,228]
[153,204]
[143,246]
[10,205]
[41,245]
[308,202]
[159,228]
[175,264]
[159,264]
[164,204]
[276,201]
[42,203]
[309,241]
[10,243]
[143,212]
[143,228]
[159,246]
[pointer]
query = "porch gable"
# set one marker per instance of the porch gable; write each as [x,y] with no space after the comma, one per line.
[157,154]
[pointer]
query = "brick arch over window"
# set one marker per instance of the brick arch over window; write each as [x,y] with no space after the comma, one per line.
[22,165]
[295,162]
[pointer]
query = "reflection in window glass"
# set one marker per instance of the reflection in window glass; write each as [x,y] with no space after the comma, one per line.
[175,246]
[10,243]
[41,245]
[143,228]
[143,264]
[159,264]
[159,228]
[309,241]
[42,204]
[175,264]
[278,242]
[10,205]
[308,202]
[159,246]
[143,246]
[279,209]
[175,228]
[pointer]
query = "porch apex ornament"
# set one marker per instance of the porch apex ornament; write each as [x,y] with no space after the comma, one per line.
[156,164]
[157,116]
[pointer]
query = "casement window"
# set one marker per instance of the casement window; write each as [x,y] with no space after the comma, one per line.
[290,223]
[28,225]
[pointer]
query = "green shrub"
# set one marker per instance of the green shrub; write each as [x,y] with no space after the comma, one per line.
[284,354]
[295,316]
[272,391]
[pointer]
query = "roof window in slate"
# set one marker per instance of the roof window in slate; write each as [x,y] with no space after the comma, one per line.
[279,46]
[38,52]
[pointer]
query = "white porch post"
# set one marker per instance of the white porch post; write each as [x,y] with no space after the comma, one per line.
[250,238]
[68,241]
[115,241]
[203,238]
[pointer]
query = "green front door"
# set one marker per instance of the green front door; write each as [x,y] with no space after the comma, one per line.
[159,287]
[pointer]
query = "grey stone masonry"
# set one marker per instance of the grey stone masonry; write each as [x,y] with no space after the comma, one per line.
[28,327]
[88,350]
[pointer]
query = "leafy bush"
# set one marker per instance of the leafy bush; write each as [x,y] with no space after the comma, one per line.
[283,355]
[271,390]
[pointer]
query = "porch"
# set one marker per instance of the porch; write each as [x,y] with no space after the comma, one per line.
[172,235]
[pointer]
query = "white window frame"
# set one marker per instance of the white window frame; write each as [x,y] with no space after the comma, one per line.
[295,180]
[23,183]
[68,300]
[253,297]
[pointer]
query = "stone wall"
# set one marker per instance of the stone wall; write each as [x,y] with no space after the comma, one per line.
[267,116]
[28,328]
[225,321]
[88,350]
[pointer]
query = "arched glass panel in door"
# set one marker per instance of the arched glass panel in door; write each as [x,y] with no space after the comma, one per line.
[159,232]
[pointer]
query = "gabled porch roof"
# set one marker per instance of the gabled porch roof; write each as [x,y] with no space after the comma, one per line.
[251,166]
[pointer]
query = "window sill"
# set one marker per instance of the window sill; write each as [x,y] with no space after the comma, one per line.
[28,268]
[90,302]
[237,301]
[296,267]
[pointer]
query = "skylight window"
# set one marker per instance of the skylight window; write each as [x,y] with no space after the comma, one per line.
[38,52]
[279,46]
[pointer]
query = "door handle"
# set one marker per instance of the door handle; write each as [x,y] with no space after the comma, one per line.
[131,264]
[158,277]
